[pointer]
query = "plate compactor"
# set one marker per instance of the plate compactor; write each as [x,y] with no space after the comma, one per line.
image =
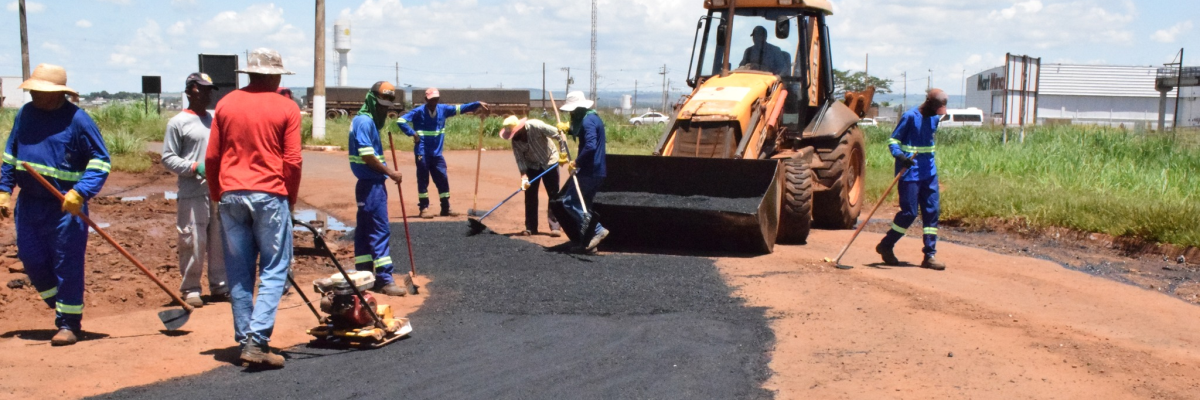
[353,318]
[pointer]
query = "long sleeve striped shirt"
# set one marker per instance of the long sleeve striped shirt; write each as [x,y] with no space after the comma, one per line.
[540,148]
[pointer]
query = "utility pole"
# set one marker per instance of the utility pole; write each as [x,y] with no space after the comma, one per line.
[1178,89]
[24,42]
[594,74]
[904,103]
[318,100]
[867,70]
[964,91]
[663,72]
[635,96]
[568,69]
[397,74]
[929,83]
[543,87]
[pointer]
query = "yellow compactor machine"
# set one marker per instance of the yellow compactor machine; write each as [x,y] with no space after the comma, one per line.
[760,127]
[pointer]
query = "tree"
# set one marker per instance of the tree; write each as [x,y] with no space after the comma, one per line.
[844,81]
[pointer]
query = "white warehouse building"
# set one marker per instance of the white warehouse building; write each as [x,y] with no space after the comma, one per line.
[1090,94]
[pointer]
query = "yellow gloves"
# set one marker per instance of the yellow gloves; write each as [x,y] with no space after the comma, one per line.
[73,203]
[564,127]
[5,197]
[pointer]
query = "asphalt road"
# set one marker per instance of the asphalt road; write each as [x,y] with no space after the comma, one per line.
[510,319]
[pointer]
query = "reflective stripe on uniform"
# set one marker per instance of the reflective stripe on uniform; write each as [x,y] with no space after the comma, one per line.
[356,160]
[402,120]
[382,262]
[897,228]
[68,309]
[458,109]
[931,231]
[50,171]
[444,195]
[366,151]
[9,159]
[99,165]
[49,293]
[894,141]
[422,195]
[431,133]
[363,259]
[919,149]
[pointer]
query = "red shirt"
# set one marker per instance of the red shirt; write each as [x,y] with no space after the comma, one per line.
[254,144]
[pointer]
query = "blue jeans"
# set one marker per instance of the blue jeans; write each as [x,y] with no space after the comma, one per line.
[257,227]
[588,185]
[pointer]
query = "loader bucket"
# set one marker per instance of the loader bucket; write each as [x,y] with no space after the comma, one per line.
[677,203]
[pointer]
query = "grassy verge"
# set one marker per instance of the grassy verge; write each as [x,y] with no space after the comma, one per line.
[126,129]
[1087,178]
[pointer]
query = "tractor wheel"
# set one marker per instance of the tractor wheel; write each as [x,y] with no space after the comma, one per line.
[795,211]
[845,164]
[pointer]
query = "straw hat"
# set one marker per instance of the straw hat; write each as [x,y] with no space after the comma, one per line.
[575,100]
[48,78]
[512,125]
[265,61]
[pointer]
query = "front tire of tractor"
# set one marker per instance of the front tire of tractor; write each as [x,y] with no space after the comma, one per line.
[795,211]
[839,207]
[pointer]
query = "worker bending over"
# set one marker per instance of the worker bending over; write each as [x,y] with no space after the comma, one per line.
[589,167]
[536,147]
[63,144]
[912,145]
[372,251]
[428,130]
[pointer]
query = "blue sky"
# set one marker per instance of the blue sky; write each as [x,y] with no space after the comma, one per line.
[109,44]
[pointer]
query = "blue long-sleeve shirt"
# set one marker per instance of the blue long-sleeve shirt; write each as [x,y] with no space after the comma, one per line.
[364,141]
[592,147]
[914,136]
[430,125]
[63,145]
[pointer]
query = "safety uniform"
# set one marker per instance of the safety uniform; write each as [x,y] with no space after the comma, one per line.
[918,188]
[591,161]
[372,235]
[430,126]
[64,146]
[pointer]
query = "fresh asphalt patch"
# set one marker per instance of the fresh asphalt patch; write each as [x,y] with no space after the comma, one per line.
[511,319]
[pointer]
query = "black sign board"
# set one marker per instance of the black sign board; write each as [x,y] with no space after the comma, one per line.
[220,67]
[151,84]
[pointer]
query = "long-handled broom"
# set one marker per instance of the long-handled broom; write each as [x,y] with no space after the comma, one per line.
[837,262]
[412,263]
[477,225]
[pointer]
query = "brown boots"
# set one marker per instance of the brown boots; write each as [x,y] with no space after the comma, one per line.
[261,356]
[64,337]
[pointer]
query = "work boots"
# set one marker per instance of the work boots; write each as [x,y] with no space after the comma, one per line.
[390,289]
[426,214]
[193,299]
[596,239]
[64,337]
[889,258]
[932,263]
[261,356]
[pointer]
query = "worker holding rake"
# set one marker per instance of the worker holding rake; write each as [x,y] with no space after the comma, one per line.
[60,141]
[912,144]
[372,234]
[428,131]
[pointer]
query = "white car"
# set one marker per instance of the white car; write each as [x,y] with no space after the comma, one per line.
[649,118]
[962,117]
[868,122]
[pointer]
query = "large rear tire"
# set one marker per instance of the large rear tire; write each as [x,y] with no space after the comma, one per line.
[795,211]
[845,164]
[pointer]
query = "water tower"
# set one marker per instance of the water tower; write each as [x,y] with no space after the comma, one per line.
[341,44]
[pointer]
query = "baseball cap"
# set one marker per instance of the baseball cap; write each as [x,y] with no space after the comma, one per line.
[432,93]
[201,79]
[385,93]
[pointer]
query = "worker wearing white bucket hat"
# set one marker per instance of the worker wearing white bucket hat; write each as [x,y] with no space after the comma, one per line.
[587,126]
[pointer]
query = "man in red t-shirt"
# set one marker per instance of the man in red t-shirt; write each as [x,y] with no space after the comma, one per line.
[253,166]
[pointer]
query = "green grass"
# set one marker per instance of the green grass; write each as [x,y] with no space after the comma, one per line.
[126,129]
[1087,178]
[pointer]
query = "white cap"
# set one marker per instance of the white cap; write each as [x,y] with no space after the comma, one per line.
[575,100]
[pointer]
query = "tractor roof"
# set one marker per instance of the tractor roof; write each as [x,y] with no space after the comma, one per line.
[821,5]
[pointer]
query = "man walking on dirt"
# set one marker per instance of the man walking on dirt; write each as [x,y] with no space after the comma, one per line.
[184,146]
[912,145]
[253,165]
[589,165]
[62,143]
[428,131]
[372,235]
[536,147]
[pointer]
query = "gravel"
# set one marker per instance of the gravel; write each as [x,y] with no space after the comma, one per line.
[746,205]
[510,319]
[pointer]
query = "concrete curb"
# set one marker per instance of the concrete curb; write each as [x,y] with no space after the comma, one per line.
[321,148]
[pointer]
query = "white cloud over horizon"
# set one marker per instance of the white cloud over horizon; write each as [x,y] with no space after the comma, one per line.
[1170,34]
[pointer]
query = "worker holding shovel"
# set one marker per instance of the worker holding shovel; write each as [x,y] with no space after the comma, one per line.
[372,235]
[60,141]
[589,167]
[536,146]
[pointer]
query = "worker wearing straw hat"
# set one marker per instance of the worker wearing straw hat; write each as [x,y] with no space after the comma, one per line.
[536,146]
[61,142]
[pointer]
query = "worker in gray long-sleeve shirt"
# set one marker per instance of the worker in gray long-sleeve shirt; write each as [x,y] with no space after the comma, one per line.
[199,227]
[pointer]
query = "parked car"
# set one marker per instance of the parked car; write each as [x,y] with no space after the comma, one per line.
[649,118]
[868,122]
[962,117]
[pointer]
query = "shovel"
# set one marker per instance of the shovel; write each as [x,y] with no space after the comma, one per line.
[472,212]
[477,225]
[412,263]
[837,261]
[171,319]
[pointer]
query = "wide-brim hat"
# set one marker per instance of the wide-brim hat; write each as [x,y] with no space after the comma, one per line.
[575,100]
[265,61]
[48,78]
[512,125]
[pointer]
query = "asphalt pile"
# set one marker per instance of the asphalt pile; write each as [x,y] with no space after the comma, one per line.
[511,319]
[745,205]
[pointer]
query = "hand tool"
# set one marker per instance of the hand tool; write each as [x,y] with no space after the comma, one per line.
[837,261]
[578,191]
[471,212]
[477,225]
[412,263]
[171,319]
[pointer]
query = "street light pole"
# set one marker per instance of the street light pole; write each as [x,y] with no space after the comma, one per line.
[318,100]
[568,69]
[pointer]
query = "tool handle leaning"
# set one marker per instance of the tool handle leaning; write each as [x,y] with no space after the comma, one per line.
[515,193]
[578,190]
[50,188]
[882,198]
[412,263]
[478,163]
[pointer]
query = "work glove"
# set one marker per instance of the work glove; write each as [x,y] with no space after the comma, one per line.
[562,159]
[571,167]
[5,197]
[73,203]
[200,170]
[905,161]
[564,127]
[524,183]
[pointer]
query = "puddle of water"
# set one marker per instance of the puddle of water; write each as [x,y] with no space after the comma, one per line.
[169,195]
[319,220]
[133,199]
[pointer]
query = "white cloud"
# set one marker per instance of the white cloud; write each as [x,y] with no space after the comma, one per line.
[1027,7]
[147,44]
[83,23]
[119,2]
[181,3]
[54,47]
[178,28]
[1170,34]
[30,7]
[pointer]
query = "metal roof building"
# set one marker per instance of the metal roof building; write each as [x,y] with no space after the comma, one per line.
[1090,94]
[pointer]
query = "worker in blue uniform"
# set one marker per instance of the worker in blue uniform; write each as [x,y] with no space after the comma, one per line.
[61,142]
[913,145]
[588,169]
[372,235]
[426,124]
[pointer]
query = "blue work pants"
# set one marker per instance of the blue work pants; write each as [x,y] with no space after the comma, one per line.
[372,234]
[914,194]
[51,244]
[588,185]
[435,166]
[257,227]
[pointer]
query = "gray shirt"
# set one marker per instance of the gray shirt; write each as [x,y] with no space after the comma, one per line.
[539,150]
[184,145]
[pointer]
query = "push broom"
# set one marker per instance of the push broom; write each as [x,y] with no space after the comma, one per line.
[837,262]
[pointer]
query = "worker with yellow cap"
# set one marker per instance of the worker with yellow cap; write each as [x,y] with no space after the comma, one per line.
[428,130]
[536,145]
[60,141]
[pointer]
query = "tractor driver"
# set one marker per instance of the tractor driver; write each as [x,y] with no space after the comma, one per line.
[766,57]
